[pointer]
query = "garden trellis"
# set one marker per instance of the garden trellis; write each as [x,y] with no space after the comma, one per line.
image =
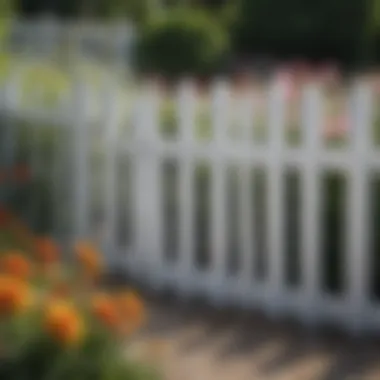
[164,206]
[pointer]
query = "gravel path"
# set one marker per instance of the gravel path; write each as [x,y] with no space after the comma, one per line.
[193,342]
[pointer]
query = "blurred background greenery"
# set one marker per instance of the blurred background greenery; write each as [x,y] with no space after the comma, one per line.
[178,37]
[204,38]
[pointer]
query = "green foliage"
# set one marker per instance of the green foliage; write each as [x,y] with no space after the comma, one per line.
[138,11]
[347,30]
[38,358]
[229,13]
[182,42]
[32,350]
[315,29]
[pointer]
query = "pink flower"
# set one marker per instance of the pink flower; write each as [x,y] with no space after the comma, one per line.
[337,127]
[287,80]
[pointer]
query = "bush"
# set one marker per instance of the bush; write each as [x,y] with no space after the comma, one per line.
[297,28]
[53,322]
[182,43]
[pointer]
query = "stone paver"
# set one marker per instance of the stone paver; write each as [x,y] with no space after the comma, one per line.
[197,343]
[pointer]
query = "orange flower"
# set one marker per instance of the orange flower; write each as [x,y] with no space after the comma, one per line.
[15,295]
[131,309]
[47,251]
[15,264]
[88,257]
[104,309]
[63,323]
[5,216]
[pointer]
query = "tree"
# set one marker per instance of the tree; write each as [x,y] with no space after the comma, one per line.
[307,28]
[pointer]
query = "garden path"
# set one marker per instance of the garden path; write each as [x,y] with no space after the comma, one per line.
[191,342]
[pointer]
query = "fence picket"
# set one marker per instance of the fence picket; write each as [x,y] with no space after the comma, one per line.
[148,190]
[357,280]
[81,134]
[111,124]
[276,125]
[310,203]
[220,120]
[186,112]
[147,152]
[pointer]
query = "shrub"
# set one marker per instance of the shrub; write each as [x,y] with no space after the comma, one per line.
[54,323]
[296,28]
[182,43]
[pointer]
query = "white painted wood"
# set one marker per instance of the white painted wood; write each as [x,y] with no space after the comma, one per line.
[246,212]
[186,106]
[357,234]
[147,151]
[60,168]
[111,130]
[220,123]
[186,113]
[246,227]
[147,182]
[312,118]
[247,116]
[81,134]
[186,197]
[276,125]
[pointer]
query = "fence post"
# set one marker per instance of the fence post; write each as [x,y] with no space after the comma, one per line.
[147,182]
[81,138]
[312,117]
[111,124]
[8,138]
[357,280]
[247,117]
[220,119]
[276,124]
[187,110]
[62,141]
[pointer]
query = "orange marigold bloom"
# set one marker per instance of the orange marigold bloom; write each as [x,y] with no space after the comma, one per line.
[17,265]
[88,257]
[63,323]
[105,310]
[131,309]
[47,250]
[15,295]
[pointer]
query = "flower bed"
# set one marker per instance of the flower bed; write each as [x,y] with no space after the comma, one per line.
[54,322]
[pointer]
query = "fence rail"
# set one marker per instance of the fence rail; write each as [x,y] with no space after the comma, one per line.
[166,203]
[47,37]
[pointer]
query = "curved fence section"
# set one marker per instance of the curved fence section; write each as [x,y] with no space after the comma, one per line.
[248,198]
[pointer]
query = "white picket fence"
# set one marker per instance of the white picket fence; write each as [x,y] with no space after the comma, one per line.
[48,37]
[144,255]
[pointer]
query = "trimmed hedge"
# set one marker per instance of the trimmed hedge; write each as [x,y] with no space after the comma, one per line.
[182,42]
